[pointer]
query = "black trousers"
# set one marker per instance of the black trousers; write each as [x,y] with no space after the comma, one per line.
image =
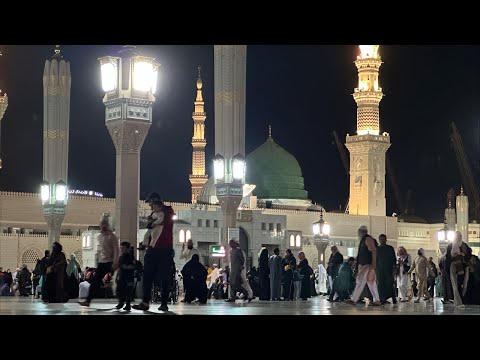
[431,286]
[125,289]
[97,280]
[158,268]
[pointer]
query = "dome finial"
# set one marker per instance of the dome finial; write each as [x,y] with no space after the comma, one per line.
[269,131]
[57,54]
[461,190]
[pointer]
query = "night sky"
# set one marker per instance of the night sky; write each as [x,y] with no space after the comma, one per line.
[304,92]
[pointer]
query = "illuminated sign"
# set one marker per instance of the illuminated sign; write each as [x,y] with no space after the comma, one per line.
[85,193]
[217,251]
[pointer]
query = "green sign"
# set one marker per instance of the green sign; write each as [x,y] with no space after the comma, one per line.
[217,251]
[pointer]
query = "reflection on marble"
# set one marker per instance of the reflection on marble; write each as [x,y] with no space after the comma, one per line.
[314,306]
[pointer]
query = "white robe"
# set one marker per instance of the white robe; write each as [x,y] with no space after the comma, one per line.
[321,285]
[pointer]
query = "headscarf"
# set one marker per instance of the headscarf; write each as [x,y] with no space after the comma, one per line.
[457,243]
[421,251]
[72,267]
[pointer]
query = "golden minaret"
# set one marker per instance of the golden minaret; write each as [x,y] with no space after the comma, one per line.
[198,177]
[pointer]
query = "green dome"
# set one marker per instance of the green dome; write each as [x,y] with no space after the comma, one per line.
[275,172]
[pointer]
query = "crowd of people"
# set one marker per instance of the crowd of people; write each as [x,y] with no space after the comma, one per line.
[376,275]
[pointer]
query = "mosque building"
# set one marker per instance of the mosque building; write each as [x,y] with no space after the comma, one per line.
[275,210]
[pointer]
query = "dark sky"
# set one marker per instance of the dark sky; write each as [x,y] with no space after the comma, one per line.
[303,91]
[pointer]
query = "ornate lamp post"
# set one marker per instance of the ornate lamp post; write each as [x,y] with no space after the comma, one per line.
[3,107]
[229,177]
[321,234]
[129,81]
[54,199]
[444,237]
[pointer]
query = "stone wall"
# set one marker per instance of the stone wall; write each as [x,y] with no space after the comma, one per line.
[18,249]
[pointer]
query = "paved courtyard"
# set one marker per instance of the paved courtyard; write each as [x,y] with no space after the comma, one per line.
[314,306]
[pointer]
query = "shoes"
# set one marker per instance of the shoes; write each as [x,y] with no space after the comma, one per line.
[403,300]
[394,301]
[119,305]
[142,306]
[350,301]
[230,300]
[84,303]
[249,299]
[127,307]
[376,303]
[163,307]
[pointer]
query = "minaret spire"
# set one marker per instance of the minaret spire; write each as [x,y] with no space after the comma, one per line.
[198,177]
[369,93]
[269,131]
[368,148]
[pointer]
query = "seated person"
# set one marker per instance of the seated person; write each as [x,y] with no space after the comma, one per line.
[194,279]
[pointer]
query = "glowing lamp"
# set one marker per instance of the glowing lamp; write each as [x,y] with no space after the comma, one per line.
[238,167]
[219,167]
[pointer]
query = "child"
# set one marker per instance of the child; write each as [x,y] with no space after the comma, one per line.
[125,276]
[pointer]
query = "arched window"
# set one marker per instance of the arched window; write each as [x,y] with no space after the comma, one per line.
[189,235]
[292,240]
[181,236]
[298,241]
[84,241]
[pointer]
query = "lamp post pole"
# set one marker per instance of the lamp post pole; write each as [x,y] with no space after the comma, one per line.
[3,108]
[129,81]
[229,179]
[321,235]
[444,237]
[54,199]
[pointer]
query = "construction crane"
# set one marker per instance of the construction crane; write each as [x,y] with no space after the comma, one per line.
[345,162]
[465,170]
[407,202]
[394,184]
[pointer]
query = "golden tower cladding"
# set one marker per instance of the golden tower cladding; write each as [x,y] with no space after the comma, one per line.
[368,148]
[198,177]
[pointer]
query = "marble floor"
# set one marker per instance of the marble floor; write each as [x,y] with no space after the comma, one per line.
[314,306]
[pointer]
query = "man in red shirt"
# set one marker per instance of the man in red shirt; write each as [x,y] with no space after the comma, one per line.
[158,262]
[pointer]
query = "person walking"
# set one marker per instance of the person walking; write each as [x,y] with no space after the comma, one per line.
[263,274]
[420,266]
[386,265]
[238,278]
[366,263]
[107,259]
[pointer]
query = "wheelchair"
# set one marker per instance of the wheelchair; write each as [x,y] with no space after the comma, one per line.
[174,292]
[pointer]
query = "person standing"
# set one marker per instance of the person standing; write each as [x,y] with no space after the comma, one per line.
[404,263]
[159,264]
[386,265]
[304,270]
[189,252]
[73,277]
[322,280]
[420,266]
[55,276]
[25,281]
[447,290]
[238,280]
[432,275]
[263,274]
[275,269]
[107,259]
[289,264]
[125,276]
[366,263]
[334,262]
[458,257]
